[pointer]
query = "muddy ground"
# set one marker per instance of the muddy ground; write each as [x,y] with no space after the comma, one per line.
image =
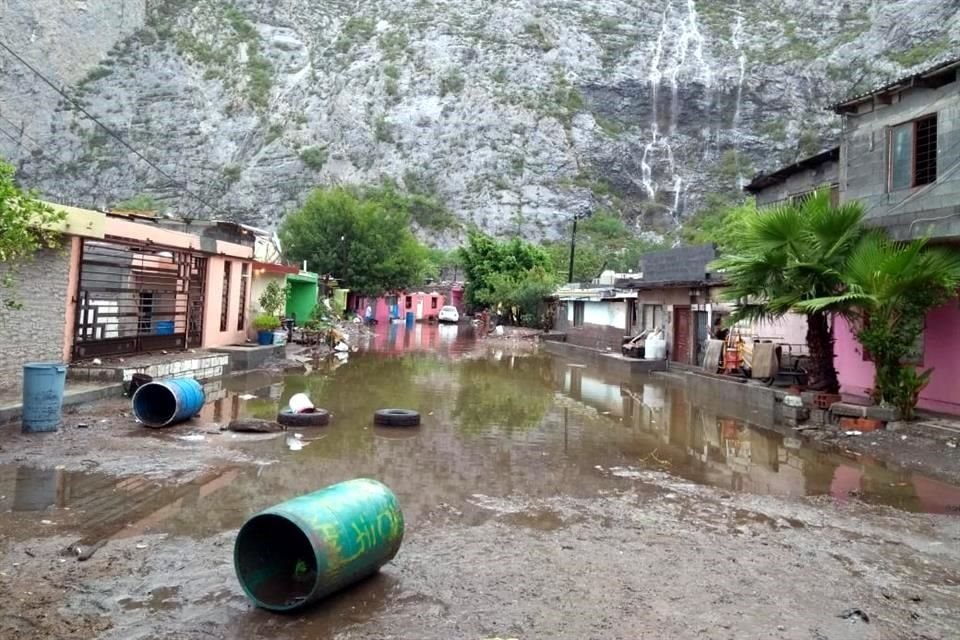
[651,558]
[624,552]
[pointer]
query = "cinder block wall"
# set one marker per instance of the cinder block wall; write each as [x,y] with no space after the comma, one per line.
[33,333]
[596,336]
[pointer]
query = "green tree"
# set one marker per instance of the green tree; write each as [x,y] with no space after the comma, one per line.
[361,239]
[603,242]
[721,221]
[888,289]
[26,226]
[487,263]
[790,255]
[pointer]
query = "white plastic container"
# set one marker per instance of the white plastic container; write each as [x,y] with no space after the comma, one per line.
[655,348]
[300,403]
[279,337]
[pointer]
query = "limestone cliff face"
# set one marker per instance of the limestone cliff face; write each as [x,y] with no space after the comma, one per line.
[516,113]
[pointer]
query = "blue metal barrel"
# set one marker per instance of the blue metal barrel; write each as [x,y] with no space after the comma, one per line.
[43,384]
[304,549]
[411,319]
[165,402]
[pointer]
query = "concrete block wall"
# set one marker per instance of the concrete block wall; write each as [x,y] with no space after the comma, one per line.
[34,333]
[596,336]
[865,155]
[200,368]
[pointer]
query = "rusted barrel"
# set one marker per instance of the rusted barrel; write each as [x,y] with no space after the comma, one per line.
[304,549]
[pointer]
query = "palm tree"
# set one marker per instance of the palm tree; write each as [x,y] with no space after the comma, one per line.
[791,254]
[889,288]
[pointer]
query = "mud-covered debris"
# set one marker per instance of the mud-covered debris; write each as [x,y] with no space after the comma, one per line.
[83,552]
[253,425]
[854,615]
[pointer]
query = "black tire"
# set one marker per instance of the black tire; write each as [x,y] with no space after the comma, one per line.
[396,418]
[317,418]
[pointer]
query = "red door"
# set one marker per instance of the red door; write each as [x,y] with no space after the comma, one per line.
[681,335]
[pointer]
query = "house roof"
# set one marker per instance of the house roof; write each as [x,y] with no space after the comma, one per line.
[763,181]
[934,76]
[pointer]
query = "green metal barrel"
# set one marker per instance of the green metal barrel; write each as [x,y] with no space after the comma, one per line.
[304,549]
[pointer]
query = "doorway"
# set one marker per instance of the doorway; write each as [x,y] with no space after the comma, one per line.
[681,335]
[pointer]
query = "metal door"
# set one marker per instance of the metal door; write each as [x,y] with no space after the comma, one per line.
[134,298]
[681,335]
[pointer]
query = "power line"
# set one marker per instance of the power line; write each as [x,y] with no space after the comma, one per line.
[12,138]
[20,130]
[109,131]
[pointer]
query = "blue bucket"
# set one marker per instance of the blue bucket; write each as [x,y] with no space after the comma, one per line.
[43,384]
[163,327]
[411,319]
[167,402]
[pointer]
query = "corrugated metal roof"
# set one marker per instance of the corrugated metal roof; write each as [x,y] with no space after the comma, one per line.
[763,181]
[899,84]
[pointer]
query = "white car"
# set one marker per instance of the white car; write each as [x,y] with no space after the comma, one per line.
[449,314]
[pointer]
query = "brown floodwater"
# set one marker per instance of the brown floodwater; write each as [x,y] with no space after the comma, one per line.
[495,423]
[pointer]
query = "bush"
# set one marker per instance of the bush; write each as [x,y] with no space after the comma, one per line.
[314,158]
[266,323]
[274,298]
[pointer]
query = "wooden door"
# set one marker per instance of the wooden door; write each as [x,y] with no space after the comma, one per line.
[681,335]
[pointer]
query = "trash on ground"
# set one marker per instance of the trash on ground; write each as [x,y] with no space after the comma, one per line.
[342,347]
[793,401]
[294,444]
[301,403]
[247,396]
[854,615]
[283,556]
[193,437]
[83,425]
[853,433]
[167,402]
[253,425]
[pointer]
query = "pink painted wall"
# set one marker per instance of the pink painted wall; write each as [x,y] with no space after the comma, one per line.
[212,336]
[941,352]
[790,329]
[426,306]
[381,310]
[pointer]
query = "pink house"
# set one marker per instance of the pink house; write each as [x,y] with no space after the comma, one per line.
[424,306]
[896,158]
[940,351]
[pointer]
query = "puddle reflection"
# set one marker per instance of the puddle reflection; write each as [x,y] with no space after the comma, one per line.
[530,424]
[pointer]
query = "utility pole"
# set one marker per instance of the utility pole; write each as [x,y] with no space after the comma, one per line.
[573,248]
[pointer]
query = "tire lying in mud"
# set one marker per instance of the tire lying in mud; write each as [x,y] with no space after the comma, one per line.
[315,418]
[396,418]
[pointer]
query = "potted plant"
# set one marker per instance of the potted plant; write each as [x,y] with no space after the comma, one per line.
[265,326]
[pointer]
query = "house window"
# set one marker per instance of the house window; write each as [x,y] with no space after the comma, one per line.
[578,311]
[225,295]
[652,316]
[433,303]
[913,153]
[409,302]
[242,309]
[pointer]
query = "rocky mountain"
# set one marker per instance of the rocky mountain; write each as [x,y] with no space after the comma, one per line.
[517,114]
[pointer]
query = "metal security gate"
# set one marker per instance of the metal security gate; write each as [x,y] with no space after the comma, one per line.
[135,298]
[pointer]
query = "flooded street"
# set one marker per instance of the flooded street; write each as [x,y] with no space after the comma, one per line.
[542,500]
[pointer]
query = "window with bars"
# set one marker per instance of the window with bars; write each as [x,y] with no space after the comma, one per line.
[242,309]
[913,153]
[225,295]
